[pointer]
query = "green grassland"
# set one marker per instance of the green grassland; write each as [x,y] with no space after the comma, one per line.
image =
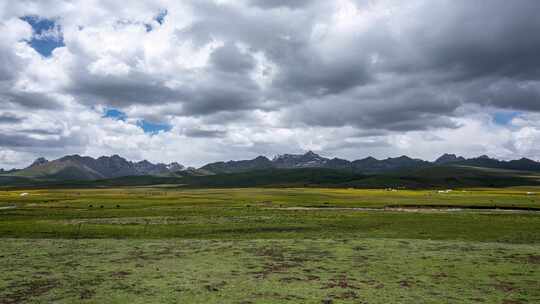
[264,245]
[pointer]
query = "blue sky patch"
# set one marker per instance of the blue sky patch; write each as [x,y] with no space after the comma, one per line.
[160,18]
[504,118]
[115,114]
[147,126]
[153,128]
[47,34]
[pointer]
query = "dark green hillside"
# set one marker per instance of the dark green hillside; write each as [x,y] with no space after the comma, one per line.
[259,163]
[60,170]
[425,178]
[309,177]
[275,177]
[8,180]
[430,177]
[464,176]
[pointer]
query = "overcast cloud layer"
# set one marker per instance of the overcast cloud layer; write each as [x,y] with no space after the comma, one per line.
[200,81]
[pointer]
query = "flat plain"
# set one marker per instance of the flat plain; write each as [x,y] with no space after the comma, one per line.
[270,245]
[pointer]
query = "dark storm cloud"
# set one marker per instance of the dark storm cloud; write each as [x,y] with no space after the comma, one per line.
[35,139]
[18,140]
[373,142]
[121,91]
[483,54]
[281,3]
[504,93]
[284,38]
[386,107]
[219,99]
[458,53]
[33,100]
[8,118]
[220,92]
[198,133]
[8,65]
[41,131]
[260,30]
[230,116]
[228,58]
[318,78]
[478,39]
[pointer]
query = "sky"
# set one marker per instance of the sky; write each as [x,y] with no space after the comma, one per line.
[201,81]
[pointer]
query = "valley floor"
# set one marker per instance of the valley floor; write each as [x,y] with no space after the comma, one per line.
[154,245]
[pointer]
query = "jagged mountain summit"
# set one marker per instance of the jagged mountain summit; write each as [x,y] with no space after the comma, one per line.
[78,167]
[284,161]
[368,165]
[307,160]
[38,162]
[449,158]
[313,160]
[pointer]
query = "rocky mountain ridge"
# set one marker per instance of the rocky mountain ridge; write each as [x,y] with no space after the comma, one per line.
[368,165]
[76,167]
[88,168]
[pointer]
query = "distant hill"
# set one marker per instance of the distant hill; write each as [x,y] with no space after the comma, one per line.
[75,167]
[372,165]
[449,159]
[454,176]
[300,177]
[524,164]
[259,163]
[307,160]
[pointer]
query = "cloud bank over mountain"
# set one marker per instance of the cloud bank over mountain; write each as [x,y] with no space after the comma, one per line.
[201,81]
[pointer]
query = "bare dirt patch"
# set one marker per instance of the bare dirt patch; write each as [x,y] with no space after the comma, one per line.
[215,286]
[342,281]
[506,301]
[533,259]
[120,274]
[506,287]
[86,294]
[27,290]
[406,284]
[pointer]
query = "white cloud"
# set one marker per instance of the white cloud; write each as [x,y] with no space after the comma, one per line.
[344,78]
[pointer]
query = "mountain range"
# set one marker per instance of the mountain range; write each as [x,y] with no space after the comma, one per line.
[368,165]
[83,168]
[75,167]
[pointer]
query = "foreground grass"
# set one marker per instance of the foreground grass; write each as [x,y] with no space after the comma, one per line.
[168,245]
[268,271]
